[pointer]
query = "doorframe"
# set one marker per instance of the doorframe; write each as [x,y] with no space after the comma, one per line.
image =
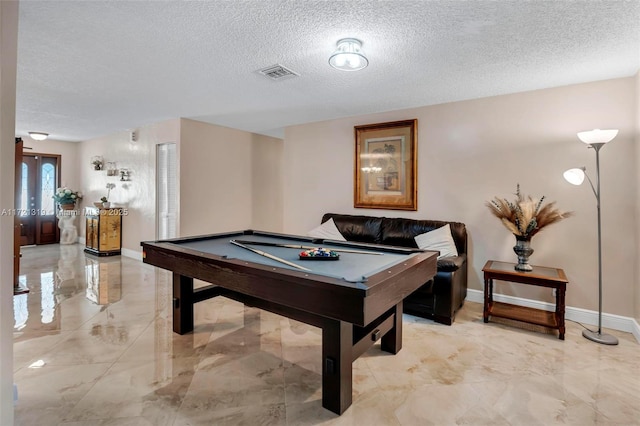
[17,288]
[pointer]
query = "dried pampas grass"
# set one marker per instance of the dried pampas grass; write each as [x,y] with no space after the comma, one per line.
[525,217]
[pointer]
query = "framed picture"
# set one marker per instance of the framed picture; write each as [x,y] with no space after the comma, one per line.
[386,166]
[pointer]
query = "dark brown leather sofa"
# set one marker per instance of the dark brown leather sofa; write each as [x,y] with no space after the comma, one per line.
[438,299]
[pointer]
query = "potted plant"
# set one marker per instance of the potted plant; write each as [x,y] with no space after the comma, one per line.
[67,197]
[97,162]
[105,200]
[525,217]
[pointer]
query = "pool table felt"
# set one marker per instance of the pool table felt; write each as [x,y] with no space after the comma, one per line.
[352,267]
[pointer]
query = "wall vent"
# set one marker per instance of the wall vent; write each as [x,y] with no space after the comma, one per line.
[278,72]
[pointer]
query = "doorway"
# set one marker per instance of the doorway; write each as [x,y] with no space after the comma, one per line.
[166,191]
[40,178]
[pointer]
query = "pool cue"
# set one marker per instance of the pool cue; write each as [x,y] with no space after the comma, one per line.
[270,256]
[260,243]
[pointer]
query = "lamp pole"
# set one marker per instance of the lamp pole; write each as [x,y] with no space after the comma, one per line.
[595,139]
[598,336]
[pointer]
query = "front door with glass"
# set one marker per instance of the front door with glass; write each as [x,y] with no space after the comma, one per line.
[40,178]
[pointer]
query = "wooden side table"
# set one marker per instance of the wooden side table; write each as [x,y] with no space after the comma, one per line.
[540,276]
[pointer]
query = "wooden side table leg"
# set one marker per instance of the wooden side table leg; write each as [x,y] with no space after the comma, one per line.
[560,302]
[487,291]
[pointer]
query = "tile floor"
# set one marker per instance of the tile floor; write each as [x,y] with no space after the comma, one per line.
[94,347]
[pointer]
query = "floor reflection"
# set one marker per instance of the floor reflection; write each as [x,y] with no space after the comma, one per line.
[68,281]
[57,273]
[37,310]
[20,310]
[104,280]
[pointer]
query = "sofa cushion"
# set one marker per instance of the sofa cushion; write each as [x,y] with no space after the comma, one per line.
[439,239]
[327,231]
[364,229]
[401,232]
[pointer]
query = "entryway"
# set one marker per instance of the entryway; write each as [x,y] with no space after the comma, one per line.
[36,208]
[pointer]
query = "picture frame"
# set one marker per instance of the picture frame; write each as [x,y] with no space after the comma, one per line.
[386,166]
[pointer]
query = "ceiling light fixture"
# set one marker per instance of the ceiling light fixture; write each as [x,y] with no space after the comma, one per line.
[38,136]
[348,55]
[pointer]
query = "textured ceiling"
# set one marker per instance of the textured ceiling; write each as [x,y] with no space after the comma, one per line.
[91,68]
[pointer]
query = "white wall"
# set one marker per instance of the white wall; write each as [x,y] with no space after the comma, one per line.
[469,152]
[8,53]
[138,194]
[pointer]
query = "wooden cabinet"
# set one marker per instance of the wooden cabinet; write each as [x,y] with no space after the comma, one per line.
[103,231]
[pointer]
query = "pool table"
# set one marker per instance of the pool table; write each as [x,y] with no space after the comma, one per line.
[356,300]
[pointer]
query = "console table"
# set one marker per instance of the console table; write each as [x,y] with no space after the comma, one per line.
[540,276]
[104,231]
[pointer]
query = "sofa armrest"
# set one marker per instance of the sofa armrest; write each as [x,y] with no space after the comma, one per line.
[451,264]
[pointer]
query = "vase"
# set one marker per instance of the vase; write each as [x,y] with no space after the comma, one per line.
[106,204]
[523,250]
[67,206]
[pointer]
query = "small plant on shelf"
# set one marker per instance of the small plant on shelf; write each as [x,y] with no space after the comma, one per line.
[97,162]
[109,187]
[105,199]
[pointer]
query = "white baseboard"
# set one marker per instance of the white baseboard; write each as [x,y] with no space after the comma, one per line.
[133,254]
[583,316]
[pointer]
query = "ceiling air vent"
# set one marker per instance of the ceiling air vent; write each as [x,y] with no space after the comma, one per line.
[277,72]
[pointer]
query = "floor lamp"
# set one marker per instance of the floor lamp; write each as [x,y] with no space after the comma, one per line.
[596,139]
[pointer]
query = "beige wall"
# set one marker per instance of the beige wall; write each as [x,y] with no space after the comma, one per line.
[219,171]
[637,193]
[266,185]
[469,152]
[137,195]
[9,54]
[229,179]
[68,151]
[215,178]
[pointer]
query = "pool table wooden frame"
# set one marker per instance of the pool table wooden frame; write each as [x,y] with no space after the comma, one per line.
[352,316]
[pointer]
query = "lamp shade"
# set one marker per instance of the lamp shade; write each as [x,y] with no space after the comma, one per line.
[38,136]
[574,176]
[348,55]
[597,136]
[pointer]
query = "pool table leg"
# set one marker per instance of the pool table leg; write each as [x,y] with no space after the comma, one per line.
[392,341]
[337,357]
[182,304]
